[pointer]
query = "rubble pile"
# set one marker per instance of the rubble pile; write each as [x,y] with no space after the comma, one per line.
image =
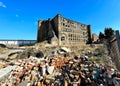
[59,71]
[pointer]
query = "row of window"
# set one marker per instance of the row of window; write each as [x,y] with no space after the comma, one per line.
[68,25]
[71,22]
[82,35]
[76,40]
[74,30]
[73,39]
[67,21]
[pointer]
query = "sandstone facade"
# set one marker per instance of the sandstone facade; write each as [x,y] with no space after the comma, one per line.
[63,31]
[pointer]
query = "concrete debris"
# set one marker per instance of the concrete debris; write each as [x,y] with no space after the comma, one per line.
[66,49]
[50,69]
[58,71]
[5,71]
[60,51]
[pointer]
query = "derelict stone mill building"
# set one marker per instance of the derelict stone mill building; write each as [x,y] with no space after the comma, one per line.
[63,32]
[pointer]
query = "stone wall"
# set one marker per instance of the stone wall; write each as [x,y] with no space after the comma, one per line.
[115,54]
[114,51]
[44,31]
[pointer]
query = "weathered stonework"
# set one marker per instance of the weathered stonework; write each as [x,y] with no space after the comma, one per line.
[114,49]
[64,31]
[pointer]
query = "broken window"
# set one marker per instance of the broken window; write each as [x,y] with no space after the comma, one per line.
[66,25]
[62,38]
[83,33]
[63,24]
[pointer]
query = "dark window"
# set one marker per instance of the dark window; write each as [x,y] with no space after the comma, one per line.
[62,38]
[63,24]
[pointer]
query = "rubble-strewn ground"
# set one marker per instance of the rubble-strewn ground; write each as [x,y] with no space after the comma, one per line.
[47,65]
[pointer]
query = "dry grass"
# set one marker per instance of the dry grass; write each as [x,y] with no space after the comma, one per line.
[3,50]
[1,65]
[81,49]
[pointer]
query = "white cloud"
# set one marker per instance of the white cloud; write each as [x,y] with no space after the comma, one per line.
[2,5]
[17,15]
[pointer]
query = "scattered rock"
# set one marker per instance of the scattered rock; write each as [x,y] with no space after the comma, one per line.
[50,69]
[14,56]
[3,46]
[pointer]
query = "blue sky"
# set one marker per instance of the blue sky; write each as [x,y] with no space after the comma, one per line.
[18,18]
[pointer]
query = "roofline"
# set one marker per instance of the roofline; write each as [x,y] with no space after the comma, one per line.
[73,20]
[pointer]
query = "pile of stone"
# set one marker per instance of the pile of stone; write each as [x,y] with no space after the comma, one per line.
[60,71]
